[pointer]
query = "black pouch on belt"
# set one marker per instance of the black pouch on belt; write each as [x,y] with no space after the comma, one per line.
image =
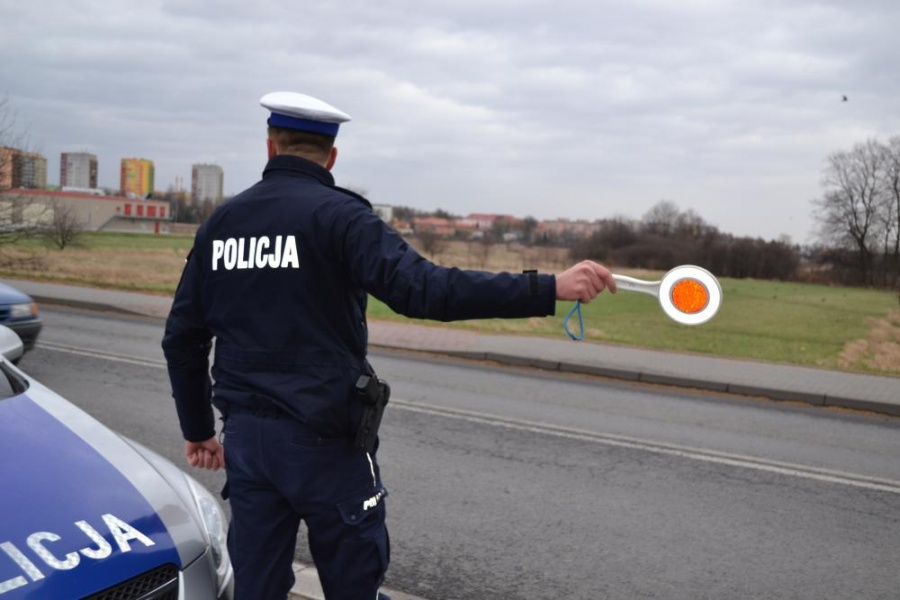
[374,394]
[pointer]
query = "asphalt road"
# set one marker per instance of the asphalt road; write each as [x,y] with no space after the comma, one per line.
[512,484]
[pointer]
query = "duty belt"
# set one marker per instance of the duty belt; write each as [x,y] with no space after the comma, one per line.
[268,410]
[265,410]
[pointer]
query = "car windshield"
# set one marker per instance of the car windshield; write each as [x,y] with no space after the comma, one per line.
[11,384]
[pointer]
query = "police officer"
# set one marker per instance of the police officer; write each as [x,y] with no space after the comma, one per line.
[279,277]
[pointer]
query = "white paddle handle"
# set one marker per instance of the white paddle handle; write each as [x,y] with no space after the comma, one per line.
[623,282]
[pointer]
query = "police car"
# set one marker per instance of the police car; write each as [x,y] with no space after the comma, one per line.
[88,514]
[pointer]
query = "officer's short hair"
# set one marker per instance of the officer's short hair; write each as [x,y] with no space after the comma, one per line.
[303,143]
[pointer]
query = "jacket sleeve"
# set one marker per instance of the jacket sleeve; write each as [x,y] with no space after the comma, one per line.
[392,271]
[186,345]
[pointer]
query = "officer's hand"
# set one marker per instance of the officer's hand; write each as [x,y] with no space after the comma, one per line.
[584,281]
[207,454]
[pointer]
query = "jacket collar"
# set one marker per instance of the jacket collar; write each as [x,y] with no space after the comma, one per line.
[285,164]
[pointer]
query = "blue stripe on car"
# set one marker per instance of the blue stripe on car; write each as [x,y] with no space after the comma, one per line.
[71,523]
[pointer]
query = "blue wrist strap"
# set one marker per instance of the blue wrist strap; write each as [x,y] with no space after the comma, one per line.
[575,310]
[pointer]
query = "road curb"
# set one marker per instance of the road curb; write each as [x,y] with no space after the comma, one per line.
[639,376]
[87,305]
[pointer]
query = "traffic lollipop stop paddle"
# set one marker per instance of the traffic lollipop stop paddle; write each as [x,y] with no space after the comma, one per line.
[688,294]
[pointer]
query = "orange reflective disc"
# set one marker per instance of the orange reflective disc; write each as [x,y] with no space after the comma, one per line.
[689,296]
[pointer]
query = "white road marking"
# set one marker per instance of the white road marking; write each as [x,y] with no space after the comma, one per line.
[122,358]
[699,454]
[688,452]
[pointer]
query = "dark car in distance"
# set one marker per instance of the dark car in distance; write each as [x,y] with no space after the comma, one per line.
[19,312]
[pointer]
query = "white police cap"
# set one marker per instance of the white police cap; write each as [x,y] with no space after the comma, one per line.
[299,111]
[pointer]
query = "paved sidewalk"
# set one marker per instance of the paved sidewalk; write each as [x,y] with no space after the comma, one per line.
[779,382]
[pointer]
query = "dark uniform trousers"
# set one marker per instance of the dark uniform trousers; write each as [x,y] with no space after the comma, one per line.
[279,473]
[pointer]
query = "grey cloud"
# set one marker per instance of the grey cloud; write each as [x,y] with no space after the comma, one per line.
[573,108]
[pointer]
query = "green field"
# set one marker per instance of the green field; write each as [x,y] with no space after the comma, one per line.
[131,241]
[816,325]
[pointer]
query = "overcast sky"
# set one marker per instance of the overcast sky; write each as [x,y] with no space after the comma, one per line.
[581,110]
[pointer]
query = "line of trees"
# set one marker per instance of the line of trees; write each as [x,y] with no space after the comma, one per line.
[182,209]
[666,237]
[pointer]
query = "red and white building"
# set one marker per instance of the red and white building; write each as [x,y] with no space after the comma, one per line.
[93,212]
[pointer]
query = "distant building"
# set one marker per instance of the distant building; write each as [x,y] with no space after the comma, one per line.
[94,213]
[436,225]
[385,211]
[402,227]
[136,177]
[206,184]
[6,170]
[78,170]
[578,229]
[469,228]
[20,169]
[88,191]
[485,222]
[30,171]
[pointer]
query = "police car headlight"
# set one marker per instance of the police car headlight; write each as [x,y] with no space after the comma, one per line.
[23,311]
[216,530]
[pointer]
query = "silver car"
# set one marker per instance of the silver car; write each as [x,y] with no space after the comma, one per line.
[86,513]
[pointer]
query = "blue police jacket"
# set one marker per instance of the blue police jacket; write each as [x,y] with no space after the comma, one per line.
[279,277]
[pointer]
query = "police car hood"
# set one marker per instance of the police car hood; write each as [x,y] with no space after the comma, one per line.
[82,507]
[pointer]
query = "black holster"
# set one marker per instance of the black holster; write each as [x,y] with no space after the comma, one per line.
[374,394]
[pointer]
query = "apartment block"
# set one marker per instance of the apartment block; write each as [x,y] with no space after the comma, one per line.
[206,184]
[137,177]
[78,170]
[20,169]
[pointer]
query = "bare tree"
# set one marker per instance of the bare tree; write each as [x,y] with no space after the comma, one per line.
[204,210]
[549,256]
[850,210]
[480,250]
[661,219]
[20,216]
[691,225]
[430,242]
[499,228]
[9,139]
[64,227]
[529,226]
[891,188]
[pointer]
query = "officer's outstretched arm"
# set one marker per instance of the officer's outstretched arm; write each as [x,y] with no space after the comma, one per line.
[383,264]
